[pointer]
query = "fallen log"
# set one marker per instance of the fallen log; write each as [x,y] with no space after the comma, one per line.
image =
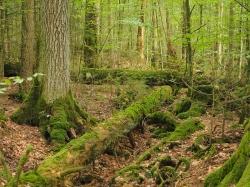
[78,153]
[110,76]
[236,170]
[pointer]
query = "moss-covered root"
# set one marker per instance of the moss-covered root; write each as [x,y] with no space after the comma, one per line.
[131,172]
[166,120]
[181,105]
[59,121]
[236,170]
[86,148]
[196,110]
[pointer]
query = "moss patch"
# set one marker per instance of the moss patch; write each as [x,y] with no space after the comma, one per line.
[181,105]
[196,110]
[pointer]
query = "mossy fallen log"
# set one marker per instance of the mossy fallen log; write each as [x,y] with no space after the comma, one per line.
[236,170]
[150,77]
[131,173]
[78,153]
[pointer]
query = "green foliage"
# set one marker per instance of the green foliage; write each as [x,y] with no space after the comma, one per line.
[3,117]
[203,93]
[14,181]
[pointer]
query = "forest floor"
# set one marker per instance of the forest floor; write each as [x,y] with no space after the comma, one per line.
[97,100]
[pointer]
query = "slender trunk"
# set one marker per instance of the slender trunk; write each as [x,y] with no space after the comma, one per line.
[1,39]
[241,43]
[155,46]
[187,31]
[248,49]
[28,54]
[141,33]
[57,83]
[220,45]
[229,65]
[90,38]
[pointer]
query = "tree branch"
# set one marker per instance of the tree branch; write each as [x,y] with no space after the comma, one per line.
[244,6]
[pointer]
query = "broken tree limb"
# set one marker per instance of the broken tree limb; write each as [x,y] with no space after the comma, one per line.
[82,151]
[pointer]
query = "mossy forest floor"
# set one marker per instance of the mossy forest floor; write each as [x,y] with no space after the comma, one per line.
[98,100]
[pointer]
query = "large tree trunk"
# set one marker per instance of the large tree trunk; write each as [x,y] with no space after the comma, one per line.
[236,170]
[51,104]
[28,55]
[77,154]
[56,50]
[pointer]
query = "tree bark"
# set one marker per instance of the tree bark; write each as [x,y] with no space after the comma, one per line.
[28,55]
[1,39]
[141,33]
[187,32]
[90,34]
[57,83]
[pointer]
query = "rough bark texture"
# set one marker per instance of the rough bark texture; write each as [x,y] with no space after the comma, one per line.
[56,50]
[236,170]
[79,152]
[28,41]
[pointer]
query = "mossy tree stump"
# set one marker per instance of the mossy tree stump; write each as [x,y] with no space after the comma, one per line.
[236,170]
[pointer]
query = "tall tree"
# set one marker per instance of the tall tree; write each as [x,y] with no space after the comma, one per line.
[51,104]
[90,34]
[187,33]
[28,54]
[1,39]
[141,32]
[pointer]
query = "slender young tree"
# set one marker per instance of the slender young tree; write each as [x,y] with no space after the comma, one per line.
[1,39]
[187,32]
[28,54]
[90,34]
[141,32]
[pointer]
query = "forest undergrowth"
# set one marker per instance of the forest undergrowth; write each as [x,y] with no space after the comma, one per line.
[100,102]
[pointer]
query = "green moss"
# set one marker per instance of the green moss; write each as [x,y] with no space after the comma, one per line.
[56,119]
[122,76]
[33,179]
[203,93]
[245,179]
[182,105]
[85,149]
[165,119]
[196,110]
[3,117]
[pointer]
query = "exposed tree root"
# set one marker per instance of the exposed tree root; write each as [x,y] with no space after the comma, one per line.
[59,121]
[163,169]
